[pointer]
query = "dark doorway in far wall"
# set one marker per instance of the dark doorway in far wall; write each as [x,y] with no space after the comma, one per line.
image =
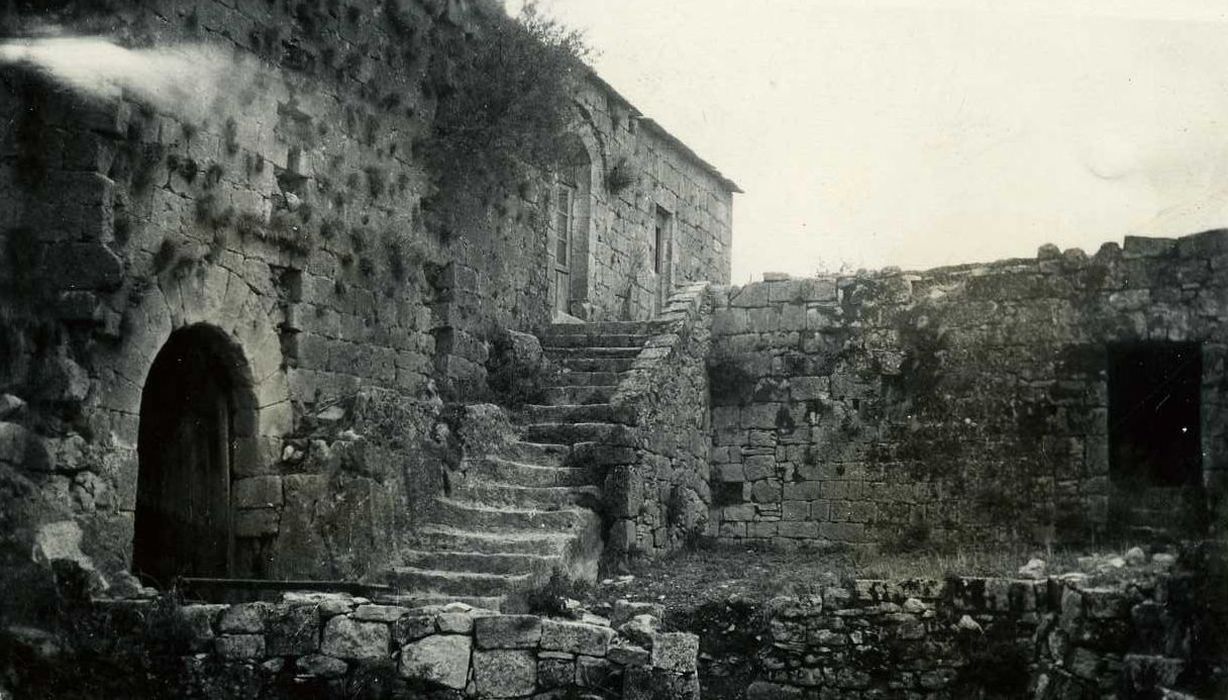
[1155,442]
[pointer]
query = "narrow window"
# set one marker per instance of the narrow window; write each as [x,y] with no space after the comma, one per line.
[564,217]
[1154,402]
[660,242]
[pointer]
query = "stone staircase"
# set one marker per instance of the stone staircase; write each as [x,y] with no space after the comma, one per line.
[519,513]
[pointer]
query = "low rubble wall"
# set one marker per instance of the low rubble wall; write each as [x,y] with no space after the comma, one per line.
[336,645]
[1057,637]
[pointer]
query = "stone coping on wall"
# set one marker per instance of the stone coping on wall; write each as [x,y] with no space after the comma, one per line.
[454,649]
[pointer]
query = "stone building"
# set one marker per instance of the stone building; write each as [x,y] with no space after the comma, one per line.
[227,329]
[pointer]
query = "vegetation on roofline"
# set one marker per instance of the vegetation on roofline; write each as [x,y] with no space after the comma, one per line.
[504,102]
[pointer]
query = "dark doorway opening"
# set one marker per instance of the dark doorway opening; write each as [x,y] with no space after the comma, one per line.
[185,447]
[1154,401]
[1155,443]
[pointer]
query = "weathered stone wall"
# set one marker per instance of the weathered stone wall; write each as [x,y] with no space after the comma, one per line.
[660,500]
[336,645]
[979,637]
[963,404]
[276,205]
[638,167]
[280,213]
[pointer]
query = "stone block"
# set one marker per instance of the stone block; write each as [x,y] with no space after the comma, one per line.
[675,651]
[258,492]
[244,617]
[594,672]
[240,646]
[575,637]
[346,638]
[508,631]
[292,630]
[629,655]
[380,613]
[556,673]
[441,658]
[256,522]
[411,627]
[626,610]
[504,673]
[455,622]
[321,666]
[658,684]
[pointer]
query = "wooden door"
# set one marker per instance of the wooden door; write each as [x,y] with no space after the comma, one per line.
[564,226]
[183,496]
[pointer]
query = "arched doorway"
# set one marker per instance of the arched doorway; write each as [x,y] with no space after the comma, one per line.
[196,394]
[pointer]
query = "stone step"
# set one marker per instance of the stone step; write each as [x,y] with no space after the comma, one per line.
[597,364]
[432,600]
[561,395]
[571,378]
[509,563]
[611,340]
[495,469]
[515,495]
[608,328]
[479,516]
[458,583]
[560,354]
[534,453]
[575,413]
[596,456]
[447,538]
[572,433]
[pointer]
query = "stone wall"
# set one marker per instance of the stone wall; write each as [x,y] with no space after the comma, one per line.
[336,645]
[275,210]
[277,213]
[962,404]
[984,637]
[639,168]
[659,501]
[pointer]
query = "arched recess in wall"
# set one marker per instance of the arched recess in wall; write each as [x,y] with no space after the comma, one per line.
[198,414]
[242,323]
[572,229]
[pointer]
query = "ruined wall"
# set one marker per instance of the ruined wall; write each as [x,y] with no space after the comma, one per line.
[638,167]
[963,404]
[659,500]
[991,637]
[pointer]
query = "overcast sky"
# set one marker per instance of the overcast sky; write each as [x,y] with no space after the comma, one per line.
[919,133]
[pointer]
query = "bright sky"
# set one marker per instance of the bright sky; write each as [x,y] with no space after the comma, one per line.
[925,132]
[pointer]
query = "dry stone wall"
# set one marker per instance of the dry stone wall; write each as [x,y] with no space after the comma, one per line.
[991,637]
[659,500]
[337,645]
[963,404]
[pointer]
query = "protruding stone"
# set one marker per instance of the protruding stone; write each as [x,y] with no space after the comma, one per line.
[575,638]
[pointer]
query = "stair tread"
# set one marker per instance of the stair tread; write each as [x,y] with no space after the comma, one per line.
[460,575]
[485,507]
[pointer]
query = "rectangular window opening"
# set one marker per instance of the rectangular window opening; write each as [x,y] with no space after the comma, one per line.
[660,242]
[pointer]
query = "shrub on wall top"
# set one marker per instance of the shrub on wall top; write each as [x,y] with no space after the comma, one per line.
[504,102]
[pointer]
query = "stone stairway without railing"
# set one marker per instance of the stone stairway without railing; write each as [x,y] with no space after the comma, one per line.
[529,508]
